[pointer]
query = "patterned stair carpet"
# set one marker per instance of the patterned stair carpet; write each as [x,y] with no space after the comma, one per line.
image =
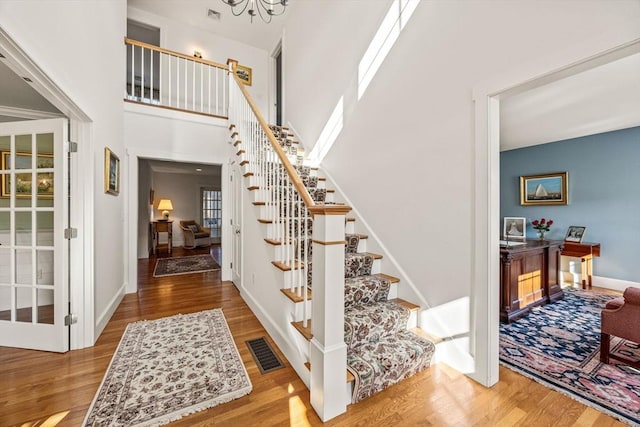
[380,349]
[558,345]
[168,368]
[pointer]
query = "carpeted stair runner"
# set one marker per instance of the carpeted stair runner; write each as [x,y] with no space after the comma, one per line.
[380,349]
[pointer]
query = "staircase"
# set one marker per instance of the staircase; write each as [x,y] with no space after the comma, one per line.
[381,350]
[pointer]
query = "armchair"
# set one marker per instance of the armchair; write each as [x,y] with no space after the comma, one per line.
[195,235]
[621,317]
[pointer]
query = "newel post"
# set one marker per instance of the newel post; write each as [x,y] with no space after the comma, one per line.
[328,353]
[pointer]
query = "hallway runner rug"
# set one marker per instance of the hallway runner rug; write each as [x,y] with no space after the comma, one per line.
[168,368]
[558,345]
[185,265]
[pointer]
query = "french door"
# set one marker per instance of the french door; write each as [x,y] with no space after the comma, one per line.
[34,254]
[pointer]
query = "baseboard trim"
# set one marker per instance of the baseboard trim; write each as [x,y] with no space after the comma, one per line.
[106,314]
[615,284]
[289,349]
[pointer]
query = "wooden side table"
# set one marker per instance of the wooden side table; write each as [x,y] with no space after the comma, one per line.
[158,227]
[586,252]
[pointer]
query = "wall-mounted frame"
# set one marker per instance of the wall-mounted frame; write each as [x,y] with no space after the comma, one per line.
[514,228]
[575,233]
[111,172]
[544,189]
[24,180]
[244,74]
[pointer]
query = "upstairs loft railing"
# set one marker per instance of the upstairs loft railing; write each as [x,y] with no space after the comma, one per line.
[175,81]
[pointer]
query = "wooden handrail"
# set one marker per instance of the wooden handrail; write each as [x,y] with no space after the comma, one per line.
[172,53]
[293,175]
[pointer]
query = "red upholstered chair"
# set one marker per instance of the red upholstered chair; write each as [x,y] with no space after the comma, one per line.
[621,318]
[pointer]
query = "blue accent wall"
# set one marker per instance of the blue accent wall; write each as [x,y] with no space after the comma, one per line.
[604,194]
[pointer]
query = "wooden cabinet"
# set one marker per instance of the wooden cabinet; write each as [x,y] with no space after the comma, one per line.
[529,276]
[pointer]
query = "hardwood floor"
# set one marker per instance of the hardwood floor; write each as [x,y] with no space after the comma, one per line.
[47,389]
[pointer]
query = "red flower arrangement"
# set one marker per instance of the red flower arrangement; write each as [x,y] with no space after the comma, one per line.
[542,226]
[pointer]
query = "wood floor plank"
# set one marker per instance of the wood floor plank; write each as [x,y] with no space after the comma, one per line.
[39,386]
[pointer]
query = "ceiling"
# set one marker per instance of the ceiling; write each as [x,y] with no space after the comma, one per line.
[598,100]
[16,94]
[161,166]
[194,13]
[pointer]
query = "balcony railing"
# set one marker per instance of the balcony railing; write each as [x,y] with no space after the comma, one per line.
[176,81]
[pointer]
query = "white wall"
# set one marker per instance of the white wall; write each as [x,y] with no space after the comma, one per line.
[79,46]
[144,212]
[405,158]
[182,38]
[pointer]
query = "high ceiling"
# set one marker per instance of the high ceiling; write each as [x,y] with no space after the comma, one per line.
[194,13]
[599,100]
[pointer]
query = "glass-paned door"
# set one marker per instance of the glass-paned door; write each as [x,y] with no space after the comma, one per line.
[34,292]
[211,202]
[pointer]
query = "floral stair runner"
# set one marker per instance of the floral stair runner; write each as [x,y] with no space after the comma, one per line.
[380,349]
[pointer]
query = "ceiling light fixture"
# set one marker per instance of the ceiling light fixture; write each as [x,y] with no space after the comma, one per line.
[265,8]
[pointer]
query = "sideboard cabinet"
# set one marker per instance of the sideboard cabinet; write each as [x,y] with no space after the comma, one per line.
[529,276]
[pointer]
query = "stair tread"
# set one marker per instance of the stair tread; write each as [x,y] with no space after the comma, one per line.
[240,152]
[383,276]
[350,219]
[375,256]
[288,266]
[306,332]
[411,306]
[253,187]
[238,142]
[293,296]
[422,333]
[265,221]
[350,376]
[259,203]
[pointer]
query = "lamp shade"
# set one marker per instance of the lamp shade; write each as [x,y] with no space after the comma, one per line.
[165,206]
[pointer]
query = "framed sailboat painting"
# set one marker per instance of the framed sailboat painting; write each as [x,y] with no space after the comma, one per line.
[544,189]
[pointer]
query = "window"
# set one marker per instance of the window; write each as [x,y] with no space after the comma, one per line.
[211,208]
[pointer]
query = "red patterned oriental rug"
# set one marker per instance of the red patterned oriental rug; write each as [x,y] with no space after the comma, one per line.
[168,368]
[558,345]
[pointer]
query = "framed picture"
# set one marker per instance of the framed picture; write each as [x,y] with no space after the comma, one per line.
[111,172]
[244,74]
[545,189]
[575,233]
[514,228]
[24,183]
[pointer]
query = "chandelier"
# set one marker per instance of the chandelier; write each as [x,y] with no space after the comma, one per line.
[265,8]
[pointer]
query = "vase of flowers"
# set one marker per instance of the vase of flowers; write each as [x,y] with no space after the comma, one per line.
[541,226]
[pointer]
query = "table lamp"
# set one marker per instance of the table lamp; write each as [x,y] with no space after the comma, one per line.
[165,206]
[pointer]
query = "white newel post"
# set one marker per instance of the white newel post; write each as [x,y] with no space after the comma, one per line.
[328,353]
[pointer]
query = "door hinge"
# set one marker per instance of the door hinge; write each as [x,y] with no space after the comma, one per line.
[70,319]
[230,265]
[73,147]
[70,233]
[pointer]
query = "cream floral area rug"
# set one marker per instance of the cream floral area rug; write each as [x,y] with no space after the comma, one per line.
[168,368]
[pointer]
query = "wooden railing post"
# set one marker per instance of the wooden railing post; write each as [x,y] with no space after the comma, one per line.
[328,353]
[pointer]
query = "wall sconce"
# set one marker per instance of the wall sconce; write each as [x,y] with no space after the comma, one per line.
[165,206]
